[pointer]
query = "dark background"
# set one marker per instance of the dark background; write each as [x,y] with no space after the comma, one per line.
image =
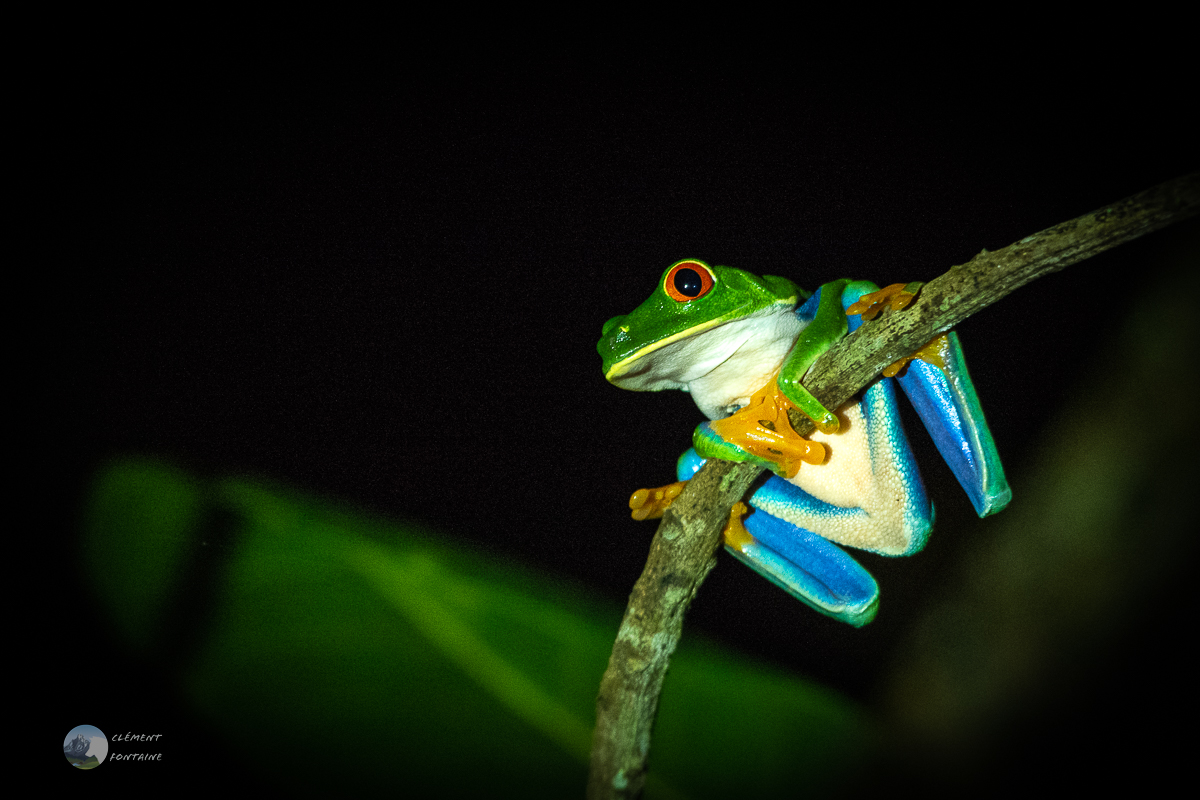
[384,284]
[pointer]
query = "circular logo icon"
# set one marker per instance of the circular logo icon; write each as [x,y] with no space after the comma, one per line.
[85,747]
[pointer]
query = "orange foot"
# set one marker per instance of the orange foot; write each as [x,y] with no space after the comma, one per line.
[651,503]
[935,352]
[734,532]
[762,429]
[898,295]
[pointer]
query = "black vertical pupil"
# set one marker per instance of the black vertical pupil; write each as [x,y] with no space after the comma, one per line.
[688,283]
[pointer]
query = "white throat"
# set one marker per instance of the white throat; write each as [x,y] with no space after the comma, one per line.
[734,360]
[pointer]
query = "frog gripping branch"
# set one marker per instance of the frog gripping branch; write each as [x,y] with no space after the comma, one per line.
[681,554]
[741,345]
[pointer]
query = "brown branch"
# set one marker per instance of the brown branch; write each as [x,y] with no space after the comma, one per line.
[684,548]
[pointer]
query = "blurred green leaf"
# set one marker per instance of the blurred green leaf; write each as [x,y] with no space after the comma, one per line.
[403,661]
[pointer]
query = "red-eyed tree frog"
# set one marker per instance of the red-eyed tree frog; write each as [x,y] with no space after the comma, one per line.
[740,345]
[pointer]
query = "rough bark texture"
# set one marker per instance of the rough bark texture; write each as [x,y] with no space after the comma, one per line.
[683,550]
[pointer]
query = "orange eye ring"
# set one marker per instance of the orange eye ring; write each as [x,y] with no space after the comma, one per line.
[688,280]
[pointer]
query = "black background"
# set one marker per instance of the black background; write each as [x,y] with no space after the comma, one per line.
[383,282]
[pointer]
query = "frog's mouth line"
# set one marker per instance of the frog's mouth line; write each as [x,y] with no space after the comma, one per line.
[622,367]
[638,363]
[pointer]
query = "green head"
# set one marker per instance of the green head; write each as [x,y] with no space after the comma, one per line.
[691,298]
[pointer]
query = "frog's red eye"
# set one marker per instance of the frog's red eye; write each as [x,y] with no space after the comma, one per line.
[688,280]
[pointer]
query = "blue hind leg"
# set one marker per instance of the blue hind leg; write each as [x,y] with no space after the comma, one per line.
[812,569]
[809,567]
[947,404]
[945,399]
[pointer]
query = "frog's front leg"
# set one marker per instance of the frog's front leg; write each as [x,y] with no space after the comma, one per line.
[897,296]
[826,323]
[826,313]
[760,433]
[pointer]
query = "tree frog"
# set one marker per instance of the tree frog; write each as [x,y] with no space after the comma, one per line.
[740,345]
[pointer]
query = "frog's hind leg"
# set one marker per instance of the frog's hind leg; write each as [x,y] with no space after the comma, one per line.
[810,568]
[869,494]
[940,389]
